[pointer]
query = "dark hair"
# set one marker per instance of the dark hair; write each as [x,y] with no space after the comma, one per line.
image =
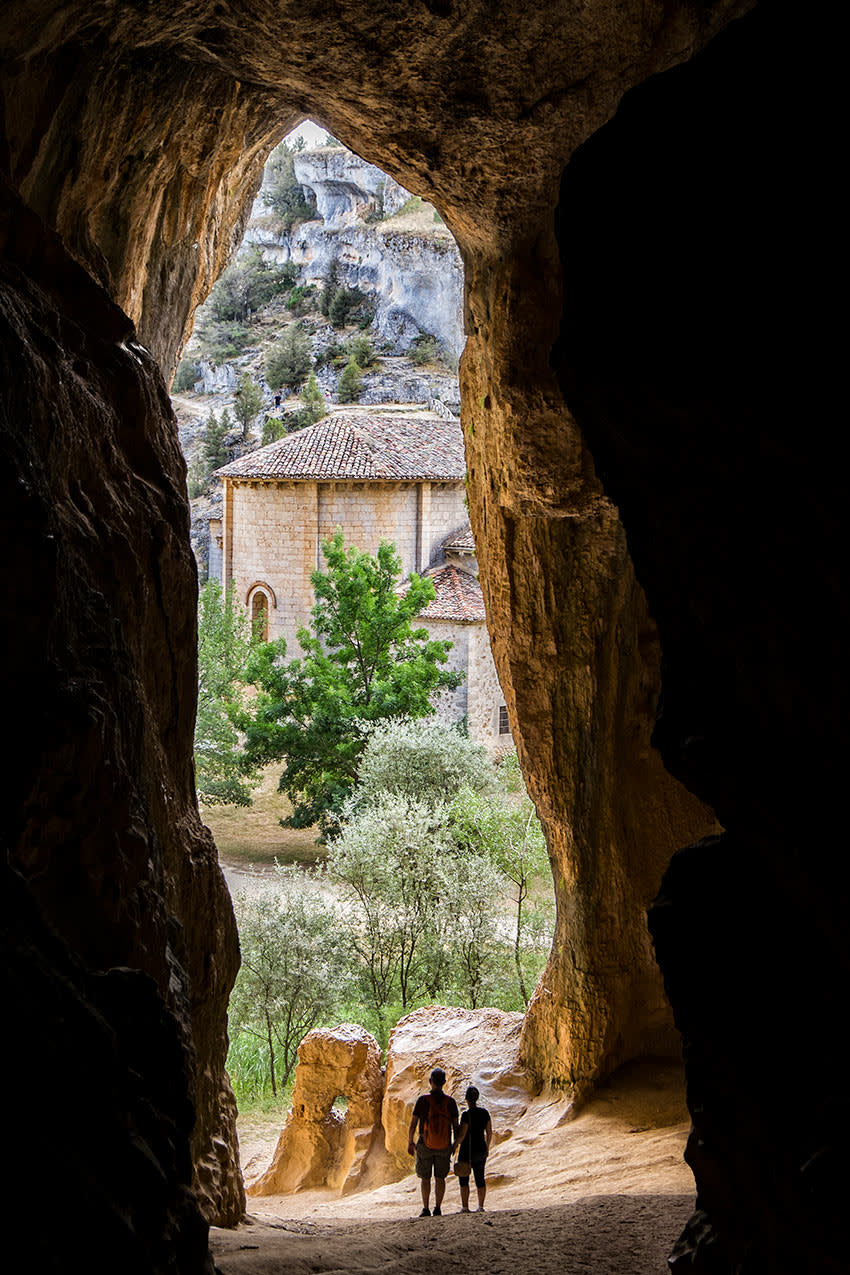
[438,1077]
[472,1095]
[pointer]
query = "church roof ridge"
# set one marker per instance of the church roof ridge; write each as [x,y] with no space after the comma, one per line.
[383,447]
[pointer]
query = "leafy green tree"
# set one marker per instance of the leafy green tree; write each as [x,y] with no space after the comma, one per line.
[185,376]
[313,400]
[246,285]
[361,350]
[224,644]
[470,944]
[350,385]
[247,402]
[509,832]
[283,193]
[425,759]
[288,361]
[294,973]
[390,861]
[363,662]
[216,452]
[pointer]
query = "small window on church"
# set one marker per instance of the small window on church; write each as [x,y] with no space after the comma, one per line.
[260,615]
[504,724]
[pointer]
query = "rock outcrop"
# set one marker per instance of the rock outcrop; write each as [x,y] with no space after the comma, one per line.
[474,1047]
[322,1145]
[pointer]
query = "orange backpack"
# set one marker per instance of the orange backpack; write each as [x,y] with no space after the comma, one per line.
[437,1126]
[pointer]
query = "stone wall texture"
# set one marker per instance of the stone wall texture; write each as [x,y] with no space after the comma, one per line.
[655,496]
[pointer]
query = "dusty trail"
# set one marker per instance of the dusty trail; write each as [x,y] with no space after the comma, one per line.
[607,1191]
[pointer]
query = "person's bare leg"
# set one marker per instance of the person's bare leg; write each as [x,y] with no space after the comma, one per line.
[439,1191]
[482,1191]
[464,1197]
[425,1188]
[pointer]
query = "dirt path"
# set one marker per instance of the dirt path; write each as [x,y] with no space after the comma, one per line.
[607,1191]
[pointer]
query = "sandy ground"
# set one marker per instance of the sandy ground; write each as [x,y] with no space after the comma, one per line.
[605,1191]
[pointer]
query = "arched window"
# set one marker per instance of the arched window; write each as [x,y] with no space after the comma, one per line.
[260,601]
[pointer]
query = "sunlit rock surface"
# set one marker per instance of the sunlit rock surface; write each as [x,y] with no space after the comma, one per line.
[322,1145]
[474,1047]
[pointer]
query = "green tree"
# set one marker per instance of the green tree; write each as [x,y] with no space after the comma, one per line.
[224,645]
[363,662]
[509,832]
[288,361]
[390,861]
[282,192]
[216,452]
[294,973]
[350,385]
[247,402]
[313,400]
[246,285]
[425,759]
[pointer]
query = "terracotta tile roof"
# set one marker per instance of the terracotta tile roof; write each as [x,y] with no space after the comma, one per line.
[358,446]
[458,597]
[460,539]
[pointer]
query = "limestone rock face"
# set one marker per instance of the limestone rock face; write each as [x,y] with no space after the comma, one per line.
[474,1047]
[319,1145]
[342,185]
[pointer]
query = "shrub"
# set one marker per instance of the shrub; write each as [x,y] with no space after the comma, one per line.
[425,349]
[288,361]
[350,385]
[248,284]
[185,377]
[360,349]
[301,298]
[424,759]
[283,194]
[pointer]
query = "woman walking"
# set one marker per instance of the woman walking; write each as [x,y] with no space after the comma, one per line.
[473,1138]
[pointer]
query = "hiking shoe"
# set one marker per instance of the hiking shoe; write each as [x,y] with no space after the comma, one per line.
[438,1212]
[425,1213]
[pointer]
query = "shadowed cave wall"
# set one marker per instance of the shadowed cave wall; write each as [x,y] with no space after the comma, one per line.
[138,134]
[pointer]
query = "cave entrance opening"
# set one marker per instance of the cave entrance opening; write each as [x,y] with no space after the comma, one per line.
[489,947]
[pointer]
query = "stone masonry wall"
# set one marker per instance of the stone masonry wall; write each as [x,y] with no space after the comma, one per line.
[273,534]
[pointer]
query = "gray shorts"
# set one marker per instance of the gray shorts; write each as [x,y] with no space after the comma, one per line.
[426,1160]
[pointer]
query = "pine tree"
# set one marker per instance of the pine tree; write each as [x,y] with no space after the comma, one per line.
[350,383]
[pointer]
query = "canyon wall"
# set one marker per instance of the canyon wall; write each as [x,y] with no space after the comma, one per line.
[138,134]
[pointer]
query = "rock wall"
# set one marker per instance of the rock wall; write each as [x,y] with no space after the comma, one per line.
[138,133]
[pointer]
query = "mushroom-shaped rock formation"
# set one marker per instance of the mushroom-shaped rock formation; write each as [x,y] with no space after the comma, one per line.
[474,1047]
[320,1145]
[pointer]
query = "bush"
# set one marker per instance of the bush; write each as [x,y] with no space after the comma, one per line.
[288,361]
[360,349]
[301,298]
[350,383]
[248,284]
[185,377]
[425,349]
[283,194]
[221,341]
[343,303]
[424,759]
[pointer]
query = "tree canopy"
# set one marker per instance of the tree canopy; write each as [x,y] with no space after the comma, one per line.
[224,643]
[363,662]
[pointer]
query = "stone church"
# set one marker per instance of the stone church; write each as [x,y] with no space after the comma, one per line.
[397,476]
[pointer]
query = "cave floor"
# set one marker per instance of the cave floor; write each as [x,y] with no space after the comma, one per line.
[605,1191]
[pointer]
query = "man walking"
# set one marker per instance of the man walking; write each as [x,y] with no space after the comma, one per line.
[436,1115]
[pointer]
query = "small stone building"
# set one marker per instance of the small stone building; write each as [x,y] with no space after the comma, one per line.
[397,476]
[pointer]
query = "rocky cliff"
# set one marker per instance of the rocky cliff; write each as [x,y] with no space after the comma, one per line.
[413,271]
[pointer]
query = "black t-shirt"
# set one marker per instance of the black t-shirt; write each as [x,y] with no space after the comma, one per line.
[475,1118]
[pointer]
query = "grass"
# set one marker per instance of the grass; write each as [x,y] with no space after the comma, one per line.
[252,835]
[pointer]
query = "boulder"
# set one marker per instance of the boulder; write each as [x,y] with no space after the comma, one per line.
[473,1046]
[322,1145]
